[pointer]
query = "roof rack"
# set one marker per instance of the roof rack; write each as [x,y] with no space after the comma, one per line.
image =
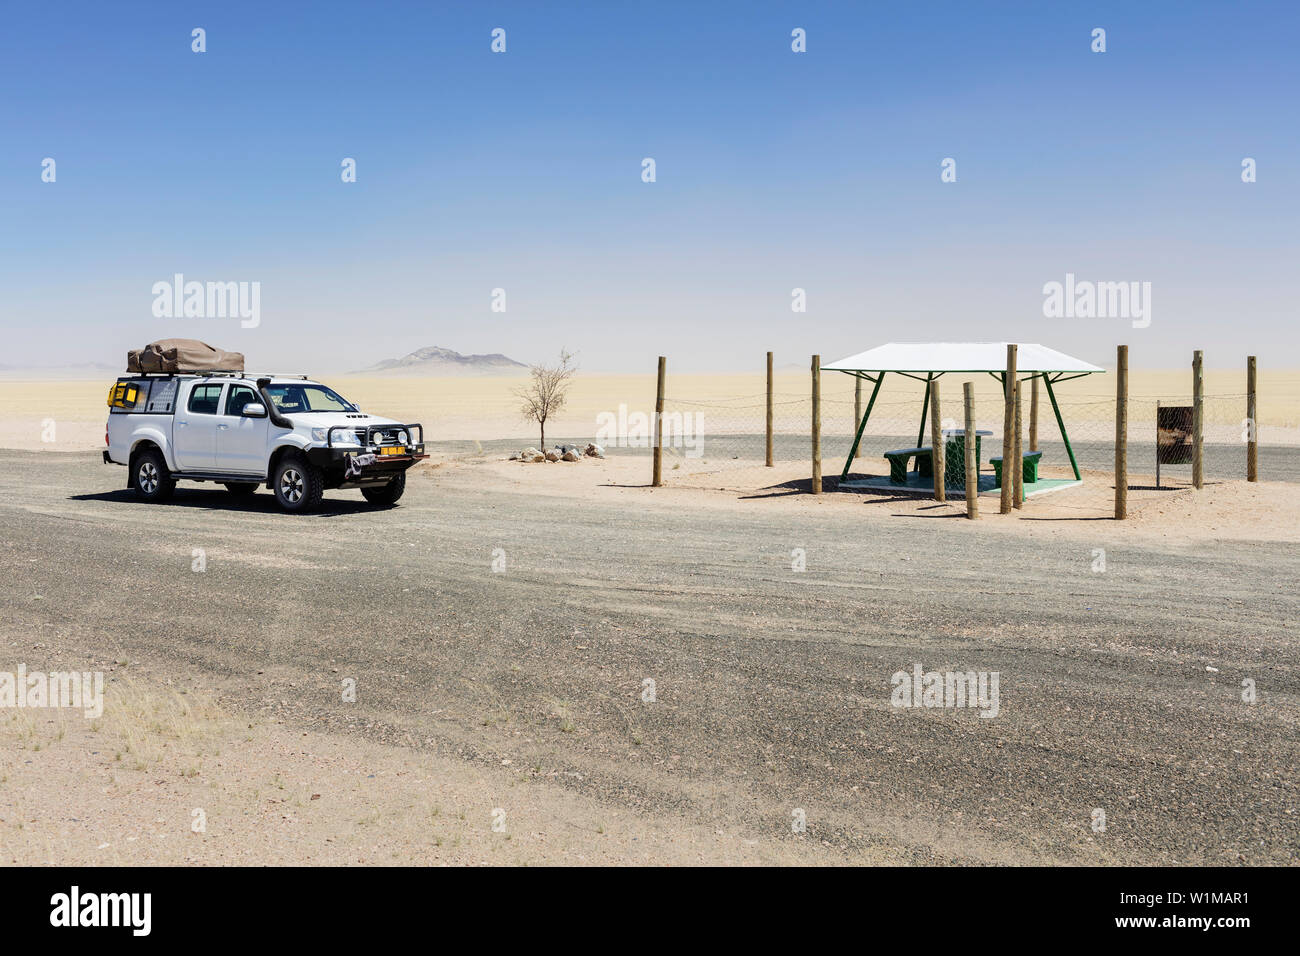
[206,372]
[214,373]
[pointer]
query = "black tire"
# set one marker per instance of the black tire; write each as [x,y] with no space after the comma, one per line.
[299,485]
[386,494]
[150,477]
[241,488]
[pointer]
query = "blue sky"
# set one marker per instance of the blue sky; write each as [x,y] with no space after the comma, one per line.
[775,170]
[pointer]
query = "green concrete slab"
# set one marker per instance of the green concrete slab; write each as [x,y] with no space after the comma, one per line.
[1046,485]
[916,484]
[919,485]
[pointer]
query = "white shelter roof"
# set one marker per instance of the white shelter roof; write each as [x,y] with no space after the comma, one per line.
[959,357]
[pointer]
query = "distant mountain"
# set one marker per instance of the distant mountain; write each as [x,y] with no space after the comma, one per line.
[435,360]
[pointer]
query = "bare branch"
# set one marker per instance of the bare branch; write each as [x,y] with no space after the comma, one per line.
[546,391]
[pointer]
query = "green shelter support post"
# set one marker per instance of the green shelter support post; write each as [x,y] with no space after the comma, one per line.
[1047,382]
[925,408]
[863,424]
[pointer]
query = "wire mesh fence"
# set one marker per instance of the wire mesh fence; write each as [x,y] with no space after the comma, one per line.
[718,434]
[723,434]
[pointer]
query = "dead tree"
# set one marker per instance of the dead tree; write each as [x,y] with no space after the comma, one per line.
[546,391]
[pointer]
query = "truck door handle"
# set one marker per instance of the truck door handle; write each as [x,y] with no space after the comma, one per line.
[222,425]
[182,424]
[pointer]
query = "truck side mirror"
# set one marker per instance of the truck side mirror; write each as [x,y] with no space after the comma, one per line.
[254,410]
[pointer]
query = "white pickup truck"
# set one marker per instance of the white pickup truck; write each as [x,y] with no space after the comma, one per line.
[295,436]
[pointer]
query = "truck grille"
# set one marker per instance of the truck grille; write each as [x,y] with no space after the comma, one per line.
[379,436]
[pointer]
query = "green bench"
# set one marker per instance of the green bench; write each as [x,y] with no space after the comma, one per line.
[898,463]
[1029,471]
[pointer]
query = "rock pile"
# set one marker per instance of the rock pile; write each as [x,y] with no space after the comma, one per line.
[560,453]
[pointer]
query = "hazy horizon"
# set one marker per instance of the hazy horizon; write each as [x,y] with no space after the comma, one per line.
[85,372]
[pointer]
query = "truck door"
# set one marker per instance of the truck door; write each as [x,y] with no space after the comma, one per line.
[194,435]
[241,442]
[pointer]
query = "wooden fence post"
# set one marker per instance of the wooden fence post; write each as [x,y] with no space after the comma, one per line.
[1017,460]
[972,460]
[769,409]
[857,412]
[1252,439]
[1198,419]
[1033,414]
[1121,433]
[817,424]
[659,426]
[1008,423]
[936,444]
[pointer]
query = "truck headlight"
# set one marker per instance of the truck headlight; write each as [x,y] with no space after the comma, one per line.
[342,436]
[403,438]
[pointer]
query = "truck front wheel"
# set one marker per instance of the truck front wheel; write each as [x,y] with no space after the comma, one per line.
[150,477]
[386,494]
[299,485]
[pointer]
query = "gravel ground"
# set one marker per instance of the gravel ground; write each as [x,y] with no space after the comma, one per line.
[1119,691]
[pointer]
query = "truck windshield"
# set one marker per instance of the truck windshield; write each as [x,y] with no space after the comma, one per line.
[295,399]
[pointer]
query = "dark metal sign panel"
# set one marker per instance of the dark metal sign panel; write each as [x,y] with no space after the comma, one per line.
[1174,434]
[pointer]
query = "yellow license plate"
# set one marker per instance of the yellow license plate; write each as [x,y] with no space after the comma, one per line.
[392,450]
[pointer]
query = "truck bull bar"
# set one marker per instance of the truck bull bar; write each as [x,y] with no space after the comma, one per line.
[413,447]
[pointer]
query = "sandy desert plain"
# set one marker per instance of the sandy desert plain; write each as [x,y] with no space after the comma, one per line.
[485,408]
[523,691]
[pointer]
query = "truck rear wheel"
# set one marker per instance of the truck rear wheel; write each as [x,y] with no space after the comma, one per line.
[150,477]
[386,494]
[299,485]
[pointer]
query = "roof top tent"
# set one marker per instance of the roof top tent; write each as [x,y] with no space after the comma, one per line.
[182,356]
[927,361]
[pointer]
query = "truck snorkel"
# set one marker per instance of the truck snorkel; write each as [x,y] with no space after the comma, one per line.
[278,420]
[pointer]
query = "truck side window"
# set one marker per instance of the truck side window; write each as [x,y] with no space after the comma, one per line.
[204,399]
[238,397]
